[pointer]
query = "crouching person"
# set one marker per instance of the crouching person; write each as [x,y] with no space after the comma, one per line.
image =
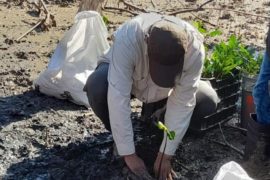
[153,58]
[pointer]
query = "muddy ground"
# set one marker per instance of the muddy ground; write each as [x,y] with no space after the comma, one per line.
[45,138]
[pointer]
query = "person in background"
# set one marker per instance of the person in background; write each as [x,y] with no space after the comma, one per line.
[157,59]
[257,151]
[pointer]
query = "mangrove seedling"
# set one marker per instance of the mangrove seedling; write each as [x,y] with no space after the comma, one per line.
[161,126]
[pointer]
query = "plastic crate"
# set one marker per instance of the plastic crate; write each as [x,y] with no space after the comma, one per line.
[228,101]
[208,122]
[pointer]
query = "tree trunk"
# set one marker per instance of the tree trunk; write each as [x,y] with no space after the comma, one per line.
[93,5]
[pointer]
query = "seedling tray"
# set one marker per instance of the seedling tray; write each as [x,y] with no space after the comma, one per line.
[228,90]
[228,101]
[218,83]
[208,122]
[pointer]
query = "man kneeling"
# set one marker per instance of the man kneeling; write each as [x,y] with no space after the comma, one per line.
[153,57]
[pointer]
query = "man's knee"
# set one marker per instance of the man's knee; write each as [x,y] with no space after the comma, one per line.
[206,100]
[96,86]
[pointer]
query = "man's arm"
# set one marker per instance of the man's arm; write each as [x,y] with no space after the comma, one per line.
[181,102]
[180,106]
[122,59]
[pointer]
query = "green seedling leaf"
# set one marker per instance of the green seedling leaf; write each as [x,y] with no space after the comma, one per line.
[215,33]
[170,134]
[161,126]
[105,19]
[202,30]
[196,24]
[199,26]
[233,41]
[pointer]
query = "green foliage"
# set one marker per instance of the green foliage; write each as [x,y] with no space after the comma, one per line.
[201,28]
[105,20]
[170,134]
[228,57]
[224,59]
[215,33]
[251,62]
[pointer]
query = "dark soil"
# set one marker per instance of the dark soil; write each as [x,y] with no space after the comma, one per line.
[45,138]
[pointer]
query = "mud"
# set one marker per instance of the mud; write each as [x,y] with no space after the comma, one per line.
[45,138]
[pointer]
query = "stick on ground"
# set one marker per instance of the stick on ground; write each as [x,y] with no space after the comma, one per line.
[237,128]
[133,6]
[230,146]
[226,142]
[153,3]
[106,8]
[45,7]
[30,30]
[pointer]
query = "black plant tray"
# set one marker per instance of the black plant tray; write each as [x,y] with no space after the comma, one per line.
[219,83]
[228,101]
[208,122]
[228,90]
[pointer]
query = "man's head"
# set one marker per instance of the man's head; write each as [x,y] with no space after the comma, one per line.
[166,50]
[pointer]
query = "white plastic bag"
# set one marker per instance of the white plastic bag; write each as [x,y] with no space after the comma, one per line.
[75,58]
[232,171]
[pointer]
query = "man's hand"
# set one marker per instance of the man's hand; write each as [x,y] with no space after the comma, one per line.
[136,165]
[166,172]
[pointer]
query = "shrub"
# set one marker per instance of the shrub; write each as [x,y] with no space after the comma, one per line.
[226,58]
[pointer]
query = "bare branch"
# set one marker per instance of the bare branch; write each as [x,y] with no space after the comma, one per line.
[213,8]
[205,3]
[45,7]
[228,145]
[203,20]
[153,3]
[94,5]
[133,6]
[188,10]
[237,128]
[120,9]
[240,12]
[30,30]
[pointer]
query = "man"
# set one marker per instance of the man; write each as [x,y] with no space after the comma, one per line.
[153,57]
[257,152]
[261,90]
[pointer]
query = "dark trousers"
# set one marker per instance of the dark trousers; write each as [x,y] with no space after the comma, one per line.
[97,88]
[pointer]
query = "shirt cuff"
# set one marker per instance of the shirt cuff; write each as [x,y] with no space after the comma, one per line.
[125,149]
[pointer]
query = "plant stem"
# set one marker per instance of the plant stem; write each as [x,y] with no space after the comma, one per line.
[159,166]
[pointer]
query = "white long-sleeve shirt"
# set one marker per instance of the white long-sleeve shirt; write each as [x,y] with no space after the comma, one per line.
[129,74]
